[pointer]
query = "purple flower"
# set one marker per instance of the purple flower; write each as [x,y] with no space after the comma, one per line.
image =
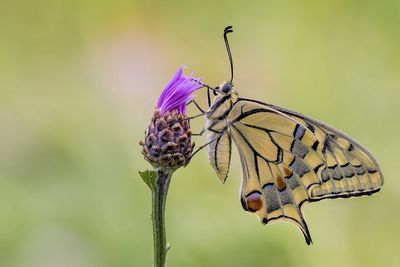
[178,92]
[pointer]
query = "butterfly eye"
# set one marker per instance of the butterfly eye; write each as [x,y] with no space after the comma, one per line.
[226,87]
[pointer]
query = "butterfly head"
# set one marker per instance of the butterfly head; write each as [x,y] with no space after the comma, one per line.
[226,87]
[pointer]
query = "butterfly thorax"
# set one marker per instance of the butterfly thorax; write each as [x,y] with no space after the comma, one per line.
[216,118]
[221,103]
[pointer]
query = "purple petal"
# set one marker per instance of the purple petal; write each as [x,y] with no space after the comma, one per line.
[177,76]
[178,92]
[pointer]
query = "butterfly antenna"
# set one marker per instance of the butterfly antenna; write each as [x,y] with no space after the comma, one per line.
[227,30]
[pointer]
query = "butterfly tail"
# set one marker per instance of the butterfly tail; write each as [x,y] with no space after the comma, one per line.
[287,209]
[276,203]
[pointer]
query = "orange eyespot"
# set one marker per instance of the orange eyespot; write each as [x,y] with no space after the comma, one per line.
[280,183]
[252,202]
[287,171]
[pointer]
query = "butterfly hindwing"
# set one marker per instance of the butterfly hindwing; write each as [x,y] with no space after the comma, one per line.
[288,159]
[276,175]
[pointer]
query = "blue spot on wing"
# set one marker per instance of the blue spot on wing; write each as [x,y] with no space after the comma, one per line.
[299,131]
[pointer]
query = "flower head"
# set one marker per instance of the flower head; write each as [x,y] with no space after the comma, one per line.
[168,143]
[177,92]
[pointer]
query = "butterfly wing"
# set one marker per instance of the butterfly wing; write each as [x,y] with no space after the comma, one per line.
[350,170]
[288,160]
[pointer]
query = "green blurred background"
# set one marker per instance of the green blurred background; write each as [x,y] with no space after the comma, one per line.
[79,81]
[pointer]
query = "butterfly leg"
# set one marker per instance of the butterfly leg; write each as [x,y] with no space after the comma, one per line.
[201,110]
[208,97]
[193,117]
[196,104]
[200,133]
[206,144]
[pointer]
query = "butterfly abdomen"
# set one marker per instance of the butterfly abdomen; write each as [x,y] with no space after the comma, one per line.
[219,154]
[219,149]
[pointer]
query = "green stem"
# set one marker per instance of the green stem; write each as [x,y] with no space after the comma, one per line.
[159,196]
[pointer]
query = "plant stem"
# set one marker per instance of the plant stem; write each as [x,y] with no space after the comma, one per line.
[159,196]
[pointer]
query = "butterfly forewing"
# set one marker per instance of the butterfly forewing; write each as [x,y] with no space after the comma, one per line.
[349,169]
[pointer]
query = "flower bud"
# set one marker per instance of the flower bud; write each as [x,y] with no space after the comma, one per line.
[168,142]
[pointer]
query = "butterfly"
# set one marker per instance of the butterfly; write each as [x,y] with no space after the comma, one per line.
[287,158]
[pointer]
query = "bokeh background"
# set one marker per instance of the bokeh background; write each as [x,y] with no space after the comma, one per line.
[79,81]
